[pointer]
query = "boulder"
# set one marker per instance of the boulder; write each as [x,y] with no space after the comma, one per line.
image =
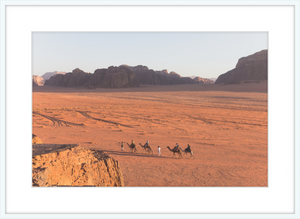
[250,68]
[73,165]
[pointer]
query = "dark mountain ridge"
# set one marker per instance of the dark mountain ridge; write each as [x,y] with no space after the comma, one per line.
[120,77]
[251,68]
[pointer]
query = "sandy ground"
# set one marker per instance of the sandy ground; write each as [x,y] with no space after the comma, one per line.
[226,126]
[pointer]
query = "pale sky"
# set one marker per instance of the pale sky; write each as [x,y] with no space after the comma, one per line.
[203,54]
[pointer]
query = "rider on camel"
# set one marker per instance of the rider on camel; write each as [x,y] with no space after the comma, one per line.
[188,148]
[132,143]
[177,146]
[146,145]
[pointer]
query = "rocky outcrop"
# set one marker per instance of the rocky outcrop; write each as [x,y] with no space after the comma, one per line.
[250,68]
[112,77]
[122,76]
[73,165]
[75,78]
[199,80]
[37,81]
[36,139]
[163,77]
[48,75]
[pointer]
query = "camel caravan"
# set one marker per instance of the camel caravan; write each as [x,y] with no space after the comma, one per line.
[146,148]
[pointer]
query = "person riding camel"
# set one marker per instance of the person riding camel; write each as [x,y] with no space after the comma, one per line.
[132,143]
[177,146]
[188,148]
[146,145]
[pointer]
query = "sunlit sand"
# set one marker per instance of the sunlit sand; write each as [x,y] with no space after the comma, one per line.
[225,125]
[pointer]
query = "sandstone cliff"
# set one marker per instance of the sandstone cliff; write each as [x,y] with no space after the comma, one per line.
[113,77]
[74,79]
[163,77]
[73,165]
[121,77]
[37,80]
[250,68]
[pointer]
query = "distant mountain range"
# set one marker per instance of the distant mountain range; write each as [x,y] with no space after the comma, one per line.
[248,69]
[119,77]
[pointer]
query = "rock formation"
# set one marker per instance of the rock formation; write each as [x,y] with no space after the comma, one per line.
[163,77]
[37,81]
[113,77]
[36,139]
[121,77]
[202,80]
[73,79]
[250,68]
[73,165]
[48,75]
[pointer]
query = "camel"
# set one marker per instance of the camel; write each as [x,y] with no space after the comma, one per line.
[188,151]
[175,150]
[148,148]
[132,147]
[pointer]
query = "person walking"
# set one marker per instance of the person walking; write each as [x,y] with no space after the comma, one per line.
[158,151]
[122,146]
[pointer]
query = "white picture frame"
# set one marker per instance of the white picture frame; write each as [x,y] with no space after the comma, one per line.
[286,195]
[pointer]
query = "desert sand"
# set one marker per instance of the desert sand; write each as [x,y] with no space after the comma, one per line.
[226,126]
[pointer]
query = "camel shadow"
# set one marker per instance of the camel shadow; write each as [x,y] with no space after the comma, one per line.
[125,153]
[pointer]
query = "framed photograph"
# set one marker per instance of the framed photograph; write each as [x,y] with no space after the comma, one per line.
[150,109]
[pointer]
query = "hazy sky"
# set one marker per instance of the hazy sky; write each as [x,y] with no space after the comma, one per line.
[204,54]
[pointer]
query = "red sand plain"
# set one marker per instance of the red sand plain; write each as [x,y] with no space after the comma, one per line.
[226,126]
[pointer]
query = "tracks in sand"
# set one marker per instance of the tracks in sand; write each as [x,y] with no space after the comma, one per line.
[102,120]
[58,122]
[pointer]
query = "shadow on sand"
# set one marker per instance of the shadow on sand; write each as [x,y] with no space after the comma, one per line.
[125,153]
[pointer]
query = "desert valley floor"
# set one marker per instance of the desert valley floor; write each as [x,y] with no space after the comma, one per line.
[226,126]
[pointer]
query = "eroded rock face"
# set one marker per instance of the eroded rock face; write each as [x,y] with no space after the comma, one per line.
[48,75]
[75,78]
[113,77]
[36,139]
[37,80]
[253,67]
[73,165]
[163,77]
